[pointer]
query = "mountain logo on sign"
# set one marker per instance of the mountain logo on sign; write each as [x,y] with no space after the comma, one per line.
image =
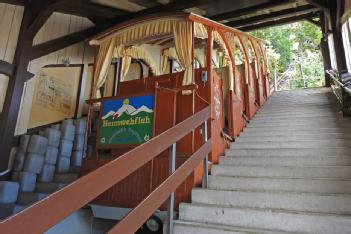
[126,109]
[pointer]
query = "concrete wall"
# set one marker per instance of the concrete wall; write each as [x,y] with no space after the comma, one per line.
[57,25]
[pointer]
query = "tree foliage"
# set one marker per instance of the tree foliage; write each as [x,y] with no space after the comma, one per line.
[295,46]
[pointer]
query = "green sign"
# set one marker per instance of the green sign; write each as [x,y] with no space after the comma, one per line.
[126,121]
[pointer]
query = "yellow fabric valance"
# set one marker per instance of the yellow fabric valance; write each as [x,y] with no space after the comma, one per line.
[183,39]
[137,52]
[200,31]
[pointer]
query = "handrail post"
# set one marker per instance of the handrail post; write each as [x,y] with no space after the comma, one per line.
[205,137]
[171,170]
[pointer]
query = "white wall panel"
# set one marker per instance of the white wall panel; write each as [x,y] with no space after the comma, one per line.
[10,22]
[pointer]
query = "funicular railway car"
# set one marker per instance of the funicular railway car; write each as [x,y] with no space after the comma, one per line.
[170,67]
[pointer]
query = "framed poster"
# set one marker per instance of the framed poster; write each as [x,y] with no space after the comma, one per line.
[56,93]
[126,121]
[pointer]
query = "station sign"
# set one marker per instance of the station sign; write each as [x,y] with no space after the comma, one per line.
[126,121]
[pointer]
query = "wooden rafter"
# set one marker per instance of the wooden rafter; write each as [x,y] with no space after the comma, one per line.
[249,10]
[6,68]
[178,5]
[278,22]
[275,15]
[61,42]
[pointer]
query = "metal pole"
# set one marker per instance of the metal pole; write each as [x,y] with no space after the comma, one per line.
[205,182]
[275,81]
[171,170]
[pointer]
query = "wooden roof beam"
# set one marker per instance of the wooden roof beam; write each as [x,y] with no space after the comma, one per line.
[249,10]
[315,22]
[87,9]
[15,2]
[271,16]
[278,22]
[45,48]
[6,68]
[178,5]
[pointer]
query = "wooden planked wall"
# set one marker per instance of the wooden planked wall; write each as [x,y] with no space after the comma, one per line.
[57,25]
[10,22]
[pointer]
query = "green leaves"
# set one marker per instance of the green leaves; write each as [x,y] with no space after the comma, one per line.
[294,45]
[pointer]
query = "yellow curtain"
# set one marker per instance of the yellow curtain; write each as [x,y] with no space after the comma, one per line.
[183,44]
[230,76]
[102,64]
[164,61]
[126,60]
[200,55]
[219,40]
[200,31]
[181,29]
[137,52]
[169,53]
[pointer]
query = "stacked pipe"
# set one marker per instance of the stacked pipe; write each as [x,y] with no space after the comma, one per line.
[29,161]
[65,146]
[79,142]
[53,135]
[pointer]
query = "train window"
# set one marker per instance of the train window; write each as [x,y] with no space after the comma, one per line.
[176,67]
[135,71]
[196,64]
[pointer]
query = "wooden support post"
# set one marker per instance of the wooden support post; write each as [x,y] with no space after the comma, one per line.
[335,12]
[325,48]
[14,91]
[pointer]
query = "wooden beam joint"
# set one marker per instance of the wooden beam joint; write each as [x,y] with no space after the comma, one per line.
[6,68]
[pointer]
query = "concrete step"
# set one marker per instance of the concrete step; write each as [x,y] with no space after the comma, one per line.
[289,152]
[332,143]
[183,227]
[286,161]
[299,126]
[296,111]
[305,113]
[293,131]
[298,222]
[49,187]
[280,184]
[66,177]
[25,198]
[246,137]
[292,201]
[340,172]
[279,109]
[297,120]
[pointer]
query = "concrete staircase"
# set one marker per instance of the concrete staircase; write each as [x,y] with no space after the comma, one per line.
[289,172]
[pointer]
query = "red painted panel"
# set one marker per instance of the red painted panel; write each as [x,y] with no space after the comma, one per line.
[129,192]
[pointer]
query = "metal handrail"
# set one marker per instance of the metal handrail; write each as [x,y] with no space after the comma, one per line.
[333,76]
[44,214]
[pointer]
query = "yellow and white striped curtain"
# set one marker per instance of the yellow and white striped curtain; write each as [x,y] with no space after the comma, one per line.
[103,61]
[179,27]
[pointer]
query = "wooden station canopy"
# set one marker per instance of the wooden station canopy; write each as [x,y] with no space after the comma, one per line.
[244,15]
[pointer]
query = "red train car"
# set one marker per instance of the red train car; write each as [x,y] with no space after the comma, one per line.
[169,68]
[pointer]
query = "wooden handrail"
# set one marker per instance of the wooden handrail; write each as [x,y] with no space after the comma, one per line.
[131,223]
[47,212]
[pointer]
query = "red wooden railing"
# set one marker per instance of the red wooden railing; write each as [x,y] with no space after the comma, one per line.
[46,213]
